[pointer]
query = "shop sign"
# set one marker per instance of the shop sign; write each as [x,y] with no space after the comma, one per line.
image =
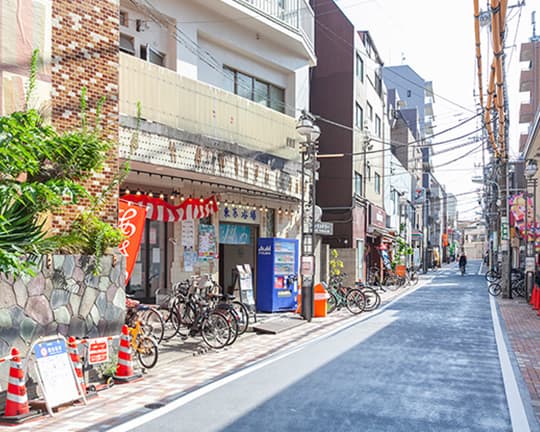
[98,351]
[234,234]
[378,217]
[324,228]
[233,213]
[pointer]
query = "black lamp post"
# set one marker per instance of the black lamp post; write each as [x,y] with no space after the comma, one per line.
[308,149]
[530,261]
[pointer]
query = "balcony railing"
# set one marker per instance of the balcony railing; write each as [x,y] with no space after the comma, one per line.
[198,108]
[295,13]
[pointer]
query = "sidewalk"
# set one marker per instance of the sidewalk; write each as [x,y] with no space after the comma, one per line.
[522,324]
[186,366]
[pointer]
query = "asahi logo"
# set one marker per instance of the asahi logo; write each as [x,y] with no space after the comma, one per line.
[265,250]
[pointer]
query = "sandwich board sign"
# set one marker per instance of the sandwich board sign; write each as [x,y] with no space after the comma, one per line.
[55,372]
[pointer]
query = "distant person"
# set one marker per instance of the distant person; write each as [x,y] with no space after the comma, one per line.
[462,263]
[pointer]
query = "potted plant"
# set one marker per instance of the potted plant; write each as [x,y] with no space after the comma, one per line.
[401,251]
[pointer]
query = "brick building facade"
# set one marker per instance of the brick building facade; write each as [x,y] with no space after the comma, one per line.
[85,54]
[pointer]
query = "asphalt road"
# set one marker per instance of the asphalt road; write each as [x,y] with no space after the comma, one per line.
[428,362]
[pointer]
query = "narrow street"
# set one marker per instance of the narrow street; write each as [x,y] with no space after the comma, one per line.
[428,362]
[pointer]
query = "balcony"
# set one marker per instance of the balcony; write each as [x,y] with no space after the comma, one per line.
[526,80]
[428,109]
[197,108]
[281,21]
[526,113]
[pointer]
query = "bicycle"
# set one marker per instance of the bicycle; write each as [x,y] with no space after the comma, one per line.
[339,296]
[143,345]
[494,288]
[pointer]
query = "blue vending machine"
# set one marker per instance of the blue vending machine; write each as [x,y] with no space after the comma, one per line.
[277,269]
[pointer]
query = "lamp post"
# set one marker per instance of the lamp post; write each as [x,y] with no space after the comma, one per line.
[308,150]
[530,262]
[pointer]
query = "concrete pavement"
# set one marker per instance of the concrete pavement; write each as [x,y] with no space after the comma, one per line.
[179,371]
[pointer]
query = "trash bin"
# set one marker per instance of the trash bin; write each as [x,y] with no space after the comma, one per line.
[320,297]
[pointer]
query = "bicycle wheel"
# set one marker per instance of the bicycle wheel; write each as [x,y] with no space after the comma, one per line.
[355,301]
[391,282]
[186,313]
[147,351]
[413,278]
[243,312]
[215,330]
[232,317]
[171,324]
[373,299]
[331,303]
[518,288]
[494,289]
[153,325]
[492,275]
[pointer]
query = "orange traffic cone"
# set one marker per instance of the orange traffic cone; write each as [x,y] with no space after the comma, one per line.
[535,297]
[124,369]
[17,408]
[76,360]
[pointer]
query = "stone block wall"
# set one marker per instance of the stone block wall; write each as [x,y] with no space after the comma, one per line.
[63,297]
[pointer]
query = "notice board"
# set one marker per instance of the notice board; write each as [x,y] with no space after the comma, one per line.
[56,375]
[245,281]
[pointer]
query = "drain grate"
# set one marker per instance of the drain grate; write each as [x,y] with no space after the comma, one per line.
[153,406]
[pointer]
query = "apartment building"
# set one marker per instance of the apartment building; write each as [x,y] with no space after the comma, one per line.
[219,85]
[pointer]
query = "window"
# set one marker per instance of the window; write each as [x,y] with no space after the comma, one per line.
[370,112]
[359,117]
[153,56]
[156,57]
[357,183]
[124,21]
[254,89]
[408,93]
[377,125]
[127,44]
[377,183]
[378,83]
[359,67]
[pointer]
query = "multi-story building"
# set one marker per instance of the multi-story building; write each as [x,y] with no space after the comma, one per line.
[529,83]
[348,95]
[219,89]
[414,99]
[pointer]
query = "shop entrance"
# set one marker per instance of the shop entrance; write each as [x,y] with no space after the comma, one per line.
[237,245]
[150,270]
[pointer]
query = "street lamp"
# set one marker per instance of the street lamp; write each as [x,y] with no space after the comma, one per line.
[530,262]
[308,149]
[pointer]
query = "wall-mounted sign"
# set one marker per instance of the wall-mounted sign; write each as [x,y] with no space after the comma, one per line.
[234,234]
[324,228]
[377,216]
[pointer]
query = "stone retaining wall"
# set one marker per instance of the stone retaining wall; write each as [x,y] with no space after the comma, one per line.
[63,297]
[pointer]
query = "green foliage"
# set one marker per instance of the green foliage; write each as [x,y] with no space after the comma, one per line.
[336,265]
[41,170]
[401,250]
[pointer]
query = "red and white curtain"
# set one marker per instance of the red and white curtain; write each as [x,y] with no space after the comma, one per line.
[161,210]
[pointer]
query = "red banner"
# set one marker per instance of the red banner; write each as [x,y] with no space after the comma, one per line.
[131,218]
[161,210]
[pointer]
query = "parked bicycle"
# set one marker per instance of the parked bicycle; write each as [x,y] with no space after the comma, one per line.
[143,345]
[340,296]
